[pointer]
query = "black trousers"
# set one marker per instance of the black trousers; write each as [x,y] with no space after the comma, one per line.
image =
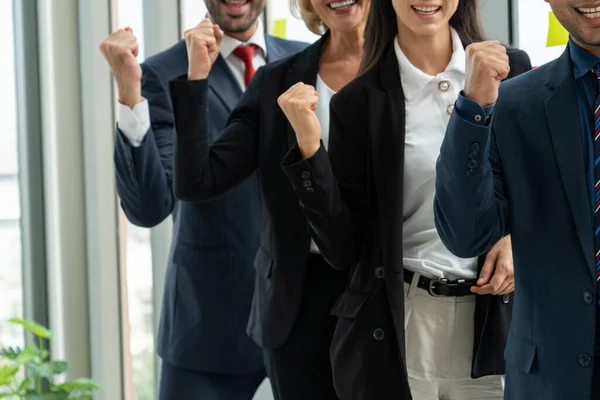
[182,384]
[300,369]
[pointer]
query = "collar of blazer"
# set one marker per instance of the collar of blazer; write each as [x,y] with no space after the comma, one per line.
[303,67]
[562,114]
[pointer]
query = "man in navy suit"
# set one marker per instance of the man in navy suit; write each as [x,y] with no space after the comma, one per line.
[210,279]
[524,158]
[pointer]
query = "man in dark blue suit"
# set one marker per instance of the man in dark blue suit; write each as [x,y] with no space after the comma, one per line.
[210,279]
[521,158]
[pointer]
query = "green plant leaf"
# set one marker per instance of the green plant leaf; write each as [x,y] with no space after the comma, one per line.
[81,384]
[10,353]
[55,367]
[32,395]
[33,327]
[7,396]
[25,385]
[6,373]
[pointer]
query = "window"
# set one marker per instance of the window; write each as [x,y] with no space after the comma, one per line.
[11,285]
[140,382]
[532,26]
[284,24]
[192,13]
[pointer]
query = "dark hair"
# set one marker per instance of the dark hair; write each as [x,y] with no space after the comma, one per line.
[382,27]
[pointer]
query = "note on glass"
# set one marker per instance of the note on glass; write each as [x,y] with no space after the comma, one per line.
[557,35]
[279,28]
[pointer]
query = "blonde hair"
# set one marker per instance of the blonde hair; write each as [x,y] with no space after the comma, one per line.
[303,9]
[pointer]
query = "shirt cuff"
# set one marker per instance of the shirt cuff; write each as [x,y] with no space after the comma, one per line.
[472,112]
[134,123]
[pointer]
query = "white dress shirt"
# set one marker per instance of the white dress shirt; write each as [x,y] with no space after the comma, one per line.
[135,123]
[429,103]
[322,113]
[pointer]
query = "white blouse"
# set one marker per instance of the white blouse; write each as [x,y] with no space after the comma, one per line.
[429,103]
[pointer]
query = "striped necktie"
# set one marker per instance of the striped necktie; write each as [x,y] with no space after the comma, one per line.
[596,71]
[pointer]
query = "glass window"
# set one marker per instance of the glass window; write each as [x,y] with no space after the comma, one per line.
[533,22]
[11,285]
[136,273]
[283,23]
[192,13]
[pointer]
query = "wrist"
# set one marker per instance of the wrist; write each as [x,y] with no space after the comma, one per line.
[130,95]
[309,149]
[197,75]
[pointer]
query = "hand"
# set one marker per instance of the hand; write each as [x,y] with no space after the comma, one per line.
[497,275]
[298,104]
[203,43]
[120,50]
[487,66]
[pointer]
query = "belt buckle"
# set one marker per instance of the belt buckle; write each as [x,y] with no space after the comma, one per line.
[432,283]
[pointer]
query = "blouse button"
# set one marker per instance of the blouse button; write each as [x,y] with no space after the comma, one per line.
[444,85]
[449,109]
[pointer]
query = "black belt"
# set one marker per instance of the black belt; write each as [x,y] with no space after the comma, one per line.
[441,287]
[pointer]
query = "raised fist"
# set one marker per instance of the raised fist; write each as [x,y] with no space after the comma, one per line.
[299,104]
[487,66]
[203,43]
[120,50]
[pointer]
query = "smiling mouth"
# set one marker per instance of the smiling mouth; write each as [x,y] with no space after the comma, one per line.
[342,5]
[589,12]
[426,10]
[238,3]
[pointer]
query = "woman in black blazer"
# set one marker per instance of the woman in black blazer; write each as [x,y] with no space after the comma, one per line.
[371,213]
[295,289]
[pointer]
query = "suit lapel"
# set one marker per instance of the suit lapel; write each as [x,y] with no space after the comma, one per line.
[563,120]
[305,70]
[223,84]
[274,50]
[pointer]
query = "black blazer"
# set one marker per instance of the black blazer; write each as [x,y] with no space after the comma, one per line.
[256,139]
[214,243]
[356,220]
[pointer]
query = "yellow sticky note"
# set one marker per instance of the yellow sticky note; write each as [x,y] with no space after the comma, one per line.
[279,29]
[557,35]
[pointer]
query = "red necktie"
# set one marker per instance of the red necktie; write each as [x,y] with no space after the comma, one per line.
[246,53]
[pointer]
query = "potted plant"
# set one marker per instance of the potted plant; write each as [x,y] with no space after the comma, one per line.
[30,374]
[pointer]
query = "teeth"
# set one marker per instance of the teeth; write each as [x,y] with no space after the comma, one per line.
[589,10]
[342,4]
[236,2]
[426,10]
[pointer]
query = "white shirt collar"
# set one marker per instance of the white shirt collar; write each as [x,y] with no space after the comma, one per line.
[229,44]
[414,80]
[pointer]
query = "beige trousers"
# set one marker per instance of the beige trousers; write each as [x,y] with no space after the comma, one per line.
[439,348]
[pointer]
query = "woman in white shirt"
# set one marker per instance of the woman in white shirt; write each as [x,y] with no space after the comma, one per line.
[372,213]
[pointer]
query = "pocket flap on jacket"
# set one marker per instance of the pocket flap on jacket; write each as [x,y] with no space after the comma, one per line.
[520,353]
[349,304]
[263,263]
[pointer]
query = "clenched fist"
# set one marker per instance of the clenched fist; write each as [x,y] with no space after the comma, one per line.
[120,50]
[487,66]
[299,104]
[203,43]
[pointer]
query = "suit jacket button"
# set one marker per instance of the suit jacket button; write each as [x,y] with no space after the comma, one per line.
[588,297]
[585,360]
[310,190]
[307,183]
[475,146]
[473,155]
[378,334]
[472,164]
[305,175]
[380,272]
[470,173]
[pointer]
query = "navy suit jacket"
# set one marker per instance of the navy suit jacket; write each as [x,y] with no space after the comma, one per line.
[210,278]
[523,173]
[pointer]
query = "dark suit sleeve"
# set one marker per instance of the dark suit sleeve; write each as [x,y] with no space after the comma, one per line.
[144,174]
[204,171]
[332,190]
[470,206]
